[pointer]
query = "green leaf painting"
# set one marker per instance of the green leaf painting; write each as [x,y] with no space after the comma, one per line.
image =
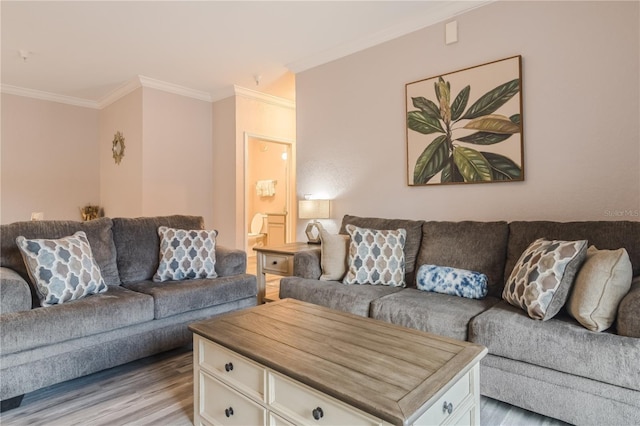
[459,136]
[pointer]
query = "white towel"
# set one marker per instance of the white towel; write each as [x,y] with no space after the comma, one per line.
[266,188]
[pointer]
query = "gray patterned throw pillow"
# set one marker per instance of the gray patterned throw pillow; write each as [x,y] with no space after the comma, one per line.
[62,269]
[186,254]
[541,280]
[376,257]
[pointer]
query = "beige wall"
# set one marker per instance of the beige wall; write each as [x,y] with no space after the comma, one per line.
[121,184]
[581,117]
[177,159]
[49,159]
[233,118]
[271,120]
[225,165]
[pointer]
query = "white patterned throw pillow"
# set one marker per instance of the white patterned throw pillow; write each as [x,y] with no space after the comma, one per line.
[186,254]
[376,256]
[452,281]
[61,269]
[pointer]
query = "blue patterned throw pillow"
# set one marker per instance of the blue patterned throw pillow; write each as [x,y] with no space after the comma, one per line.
[376,257]
[186,254]
[453,281]
[62,269]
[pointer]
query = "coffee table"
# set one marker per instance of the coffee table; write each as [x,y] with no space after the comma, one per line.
[291,362]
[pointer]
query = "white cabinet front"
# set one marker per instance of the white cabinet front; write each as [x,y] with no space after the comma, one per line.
[309,407]
[221,405]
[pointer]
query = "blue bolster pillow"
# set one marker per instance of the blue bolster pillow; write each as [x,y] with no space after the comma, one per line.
[453,281]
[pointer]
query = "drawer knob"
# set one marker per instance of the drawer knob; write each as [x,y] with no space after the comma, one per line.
[317,413]
[228,412]
[229,367]
[447,408]
[275,262]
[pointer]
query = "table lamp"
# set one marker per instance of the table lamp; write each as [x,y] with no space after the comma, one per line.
[313,209]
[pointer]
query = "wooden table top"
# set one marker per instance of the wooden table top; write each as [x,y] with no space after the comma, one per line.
[386,370]
[290,248]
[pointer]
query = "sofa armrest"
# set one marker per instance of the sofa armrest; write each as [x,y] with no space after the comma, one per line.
[15,293]
[230,261]
[306,264]
[628,318]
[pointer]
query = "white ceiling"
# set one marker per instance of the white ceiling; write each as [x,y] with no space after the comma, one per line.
[88,49]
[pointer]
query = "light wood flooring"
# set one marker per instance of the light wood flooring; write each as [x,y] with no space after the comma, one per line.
[158,390]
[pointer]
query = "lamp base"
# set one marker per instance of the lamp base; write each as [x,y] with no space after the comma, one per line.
[313,237]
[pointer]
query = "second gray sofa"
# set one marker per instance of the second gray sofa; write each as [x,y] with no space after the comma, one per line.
[557,367]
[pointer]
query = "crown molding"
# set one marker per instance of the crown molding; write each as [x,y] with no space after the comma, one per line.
[264,97]
[47,96]
[120,92]
[142,81]
[445,11]
[174,88]
[152,83]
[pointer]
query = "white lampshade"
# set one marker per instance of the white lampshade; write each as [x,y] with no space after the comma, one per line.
[314,209]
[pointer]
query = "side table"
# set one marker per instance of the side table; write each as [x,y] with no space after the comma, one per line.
[277,260]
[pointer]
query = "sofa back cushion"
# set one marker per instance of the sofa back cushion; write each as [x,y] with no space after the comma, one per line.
[98,232]
[412,243]
[474,246]
[609,235]
[138,244]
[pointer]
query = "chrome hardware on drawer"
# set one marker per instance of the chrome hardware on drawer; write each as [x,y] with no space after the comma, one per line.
[228,411]
[228,367]
[317,413]
[447,408]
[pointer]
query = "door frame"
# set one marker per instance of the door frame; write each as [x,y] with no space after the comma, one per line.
[290,203]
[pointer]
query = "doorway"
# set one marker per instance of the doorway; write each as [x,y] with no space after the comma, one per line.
[269,191]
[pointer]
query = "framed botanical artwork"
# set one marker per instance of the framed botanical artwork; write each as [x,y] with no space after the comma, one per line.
[466,126]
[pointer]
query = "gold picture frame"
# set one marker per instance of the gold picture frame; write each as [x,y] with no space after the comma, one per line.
[466,126]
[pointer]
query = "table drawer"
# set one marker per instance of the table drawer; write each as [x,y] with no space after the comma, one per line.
[276,420]
[277,263]
[447,406]
[309,407]
[234,369]
[221,405]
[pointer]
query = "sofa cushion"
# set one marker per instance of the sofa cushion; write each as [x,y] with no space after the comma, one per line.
[332,294]
[61,269]
[138,244]
[186,254]
[609,235]
[452,281]
[628,321]
[432,312]
[474,246]
[116,308]
[541,280]
[175,297]
[414,236]
[98,231]
[559,344]
[376,256]
[602,281]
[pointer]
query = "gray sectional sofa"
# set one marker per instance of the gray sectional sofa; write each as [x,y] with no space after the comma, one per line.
[136,317]
[556,367]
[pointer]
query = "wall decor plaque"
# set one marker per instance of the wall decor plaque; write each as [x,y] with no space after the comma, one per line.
[466,126]
[117,147]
